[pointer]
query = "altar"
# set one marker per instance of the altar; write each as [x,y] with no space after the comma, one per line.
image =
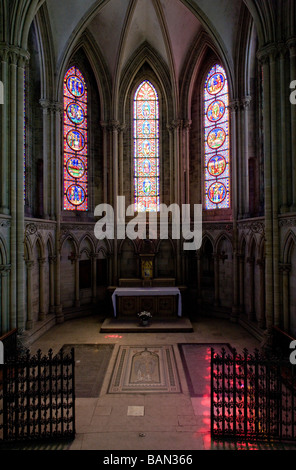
[161,302]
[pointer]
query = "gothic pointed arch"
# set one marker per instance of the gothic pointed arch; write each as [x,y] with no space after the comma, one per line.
[144,63]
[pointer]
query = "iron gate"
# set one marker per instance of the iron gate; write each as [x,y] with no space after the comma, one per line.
[253,397]
[37,398]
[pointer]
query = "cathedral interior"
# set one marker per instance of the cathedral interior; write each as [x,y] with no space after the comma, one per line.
[162,103]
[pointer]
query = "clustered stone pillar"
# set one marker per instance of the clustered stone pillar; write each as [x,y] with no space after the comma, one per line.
[285,269]
[42,287]
[233,108]
[292,51]
[4,204]
[77,289]
[115,129]
[94,258]
[217,279]
[251,313]
[241,260]
[51,260]
[4,275]
[264,57]
[13,64]
[57,109]
[261,320]
[30,323]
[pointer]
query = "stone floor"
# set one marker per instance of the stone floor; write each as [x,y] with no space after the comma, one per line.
[147,421]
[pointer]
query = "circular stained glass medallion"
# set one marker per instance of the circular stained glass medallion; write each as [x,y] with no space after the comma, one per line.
[75,167]
[216,138]
[76,195]
[215,83]
[75,86]
[216,111]
[75,113]
[75,140]
[217,193]
[217,165]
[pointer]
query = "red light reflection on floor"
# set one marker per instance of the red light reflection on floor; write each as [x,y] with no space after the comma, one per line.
[114,336]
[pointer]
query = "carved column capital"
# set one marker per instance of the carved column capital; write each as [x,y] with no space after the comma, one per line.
[5,269]
[285,268]
[233,106]
[245,102]
[29,264]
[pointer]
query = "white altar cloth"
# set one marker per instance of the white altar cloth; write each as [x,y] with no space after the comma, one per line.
[143,291]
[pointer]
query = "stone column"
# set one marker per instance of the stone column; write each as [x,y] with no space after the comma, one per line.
[41,262]
[4,274]
[217,279]
[46,105]
[233,108]
[57,109]
[30,323]
[121,159]
[245,103]
[94,277]
[4,112]
[77,290]
[241,260]
[22,62]
[285,269]
[283,133]
[292,49]
[261,320]
[51,261]
[251,313]
[275,182]
[269,287]
[186,160]
[13,185]
[52,202]
[176,124]
[198,268]
[115,128]
[172,165]
[104,126]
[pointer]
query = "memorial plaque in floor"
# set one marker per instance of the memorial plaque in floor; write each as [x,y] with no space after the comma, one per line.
[145,369]
[91,363]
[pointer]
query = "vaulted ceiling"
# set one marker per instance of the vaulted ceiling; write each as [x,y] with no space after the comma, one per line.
[119,27]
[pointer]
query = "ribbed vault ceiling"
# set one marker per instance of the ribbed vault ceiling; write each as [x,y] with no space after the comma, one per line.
[119,27]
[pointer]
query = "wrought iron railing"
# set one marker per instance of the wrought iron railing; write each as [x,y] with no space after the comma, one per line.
[253,397]
[37,397]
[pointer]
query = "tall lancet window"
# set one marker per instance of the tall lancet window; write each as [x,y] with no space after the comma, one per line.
[216,141]
[146,148]
[75,141]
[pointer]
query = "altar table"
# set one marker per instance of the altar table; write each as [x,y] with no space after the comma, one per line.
[140,292]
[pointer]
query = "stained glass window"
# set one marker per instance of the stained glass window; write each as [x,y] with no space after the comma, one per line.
[146,148]
[75,141]
[216,135]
